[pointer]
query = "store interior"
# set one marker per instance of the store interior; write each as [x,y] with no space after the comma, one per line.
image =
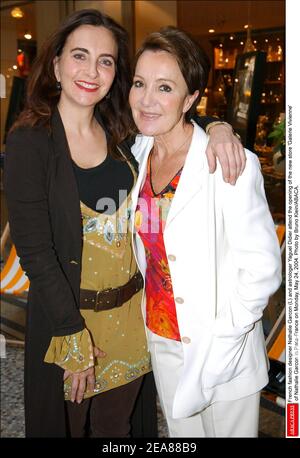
[245,41]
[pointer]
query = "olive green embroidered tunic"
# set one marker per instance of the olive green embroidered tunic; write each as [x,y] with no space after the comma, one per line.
[107,262]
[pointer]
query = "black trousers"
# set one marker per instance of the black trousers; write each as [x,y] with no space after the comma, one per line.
[109,414]
[144,417]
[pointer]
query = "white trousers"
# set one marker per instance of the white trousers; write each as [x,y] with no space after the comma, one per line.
[238,418]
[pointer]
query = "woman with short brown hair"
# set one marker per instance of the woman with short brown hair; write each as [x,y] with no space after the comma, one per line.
[208,252]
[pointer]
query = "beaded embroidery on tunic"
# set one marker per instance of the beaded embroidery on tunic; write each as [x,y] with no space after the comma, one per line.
[108,262]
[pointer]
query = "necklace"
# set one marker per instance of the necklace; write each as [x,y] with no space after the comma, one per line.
[152,177]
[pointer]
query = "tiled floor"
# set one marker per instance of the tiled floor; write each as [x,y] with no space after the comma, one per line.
[12,408]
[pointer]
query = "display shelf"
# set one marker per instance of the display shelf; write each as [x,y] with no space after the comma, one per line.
[226,48]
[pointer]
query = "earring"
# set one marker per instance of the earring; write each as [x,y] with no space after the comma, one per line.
[58,85]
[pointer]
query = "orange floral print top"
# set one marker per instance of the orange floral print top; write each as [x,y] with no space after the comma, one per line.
[150,220]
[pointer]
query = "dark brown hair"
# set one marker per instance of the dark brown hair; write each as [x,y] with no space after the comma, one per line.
[192,60]
[42,95]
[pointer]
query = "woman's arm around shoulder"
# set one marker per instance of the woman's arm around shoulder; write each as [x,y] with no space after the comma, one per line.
[223,145]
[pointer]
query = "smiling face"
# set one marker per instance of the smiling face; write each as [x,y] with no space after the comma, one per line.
[87,65]
[159,95]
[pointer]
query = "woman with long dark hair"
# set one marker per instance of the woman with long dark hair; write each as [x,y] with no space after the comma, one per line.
[68,180]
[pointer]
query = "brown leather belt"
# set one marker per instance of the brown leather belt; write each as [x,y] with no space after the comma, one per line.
[112,297]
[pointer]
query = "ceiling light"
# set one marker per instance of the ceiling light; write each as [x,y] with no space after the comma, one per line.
[28,36]
[246,26]
[15,67]
[266,40]
[17,13]
[211,30]
[241,43]
[231,37]
[255,41]
[221,46]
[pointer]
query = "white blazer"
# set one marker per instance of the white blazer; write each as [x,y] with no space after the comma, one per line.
[225,264]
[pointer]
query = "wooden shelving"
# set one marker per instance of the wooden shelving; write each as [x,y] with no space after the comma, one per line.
[225,48]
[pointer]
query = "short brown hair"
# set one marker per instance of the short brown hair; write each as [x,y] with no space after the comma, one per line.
[42,94]
[192,60]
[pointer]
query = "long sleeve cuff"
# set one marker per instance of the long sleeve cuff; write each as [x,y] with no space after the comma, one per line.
[73,352]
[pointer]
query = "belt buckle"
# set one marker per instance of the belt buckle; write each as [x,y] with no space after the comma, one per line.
[103,305]
[97,305]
